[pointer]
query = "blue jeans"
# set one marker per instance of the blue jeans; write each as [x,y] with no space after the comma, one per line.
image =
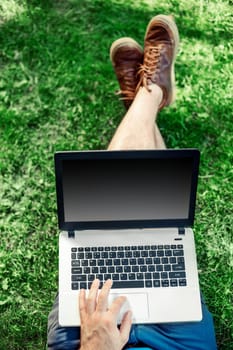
[180,336]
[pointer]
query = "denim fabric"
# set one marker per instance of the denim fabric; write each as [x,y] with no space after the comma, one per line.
[61,338]
[180,336]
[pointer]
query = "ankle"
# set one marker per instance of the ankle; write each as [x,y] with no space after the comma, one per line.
[157,93]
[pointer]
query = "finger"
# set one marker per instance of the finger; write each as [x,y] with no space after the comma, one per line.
[125,327]
[92,297]
[82,304]
[116,305]
[102,303]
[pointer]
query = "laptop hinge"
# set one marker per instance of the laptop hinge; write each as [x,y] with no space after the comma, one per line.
[71,234]
[181,230]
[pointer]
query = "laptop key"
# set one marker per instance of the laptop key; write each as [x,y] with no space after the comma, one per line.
[141,261]
[115,276]
[127,268]
[180,259]
[144,253]
[160,253]
[100,262]
[96,255]
[143,268]
[76,270]
[135,268]
[111,269]
[99,276]
[155,275]
[178,267]
[168,252]
[92,262]
[178,274]
[123,276]
[156,283]
[159,268]
[167,267]
[107,276]
[94,269]
[74,286]
[116,262]
[172,260]
[83,285]
[133,261]
[139,276]
[125,261]
[148,275]
[121,254]
[182,282]
[128,284]
[91,277]
[75,263]
[79,278]
[132,276]
[173,283]
[165,283]
[119,269]
[103,269]
[178,252]
[152,253]
[151,268]
[148,284]
[157,261]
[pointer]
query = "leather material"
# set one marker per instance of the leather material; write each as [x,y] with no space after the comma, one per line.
[126,59]
[160,47]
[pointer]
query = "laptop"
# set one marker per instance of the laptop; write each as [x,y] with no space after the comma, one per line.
[128,216]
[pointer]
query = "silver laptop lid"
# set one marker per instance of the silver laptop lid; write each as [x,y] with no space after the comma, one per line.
[126,189]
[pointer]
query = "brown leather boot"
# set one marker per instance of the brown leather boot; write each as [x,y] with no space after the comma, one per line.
[126,56]
[160,49]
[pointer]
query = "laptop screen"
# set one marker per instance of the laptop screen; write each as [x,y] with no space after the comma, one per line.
[104,188]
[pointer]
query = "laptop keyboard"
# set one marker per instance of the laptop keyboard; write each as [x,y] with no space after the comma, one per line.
[142,266]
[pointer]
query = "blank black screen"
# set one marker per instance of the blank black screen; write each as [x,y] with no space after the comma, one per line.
[126,189]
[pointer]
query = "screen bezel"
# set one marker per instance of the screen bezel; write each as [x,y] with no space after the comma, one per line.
[59,157]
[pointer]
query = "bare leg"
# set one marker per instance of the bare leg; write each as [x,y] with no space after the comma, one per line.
[138,129]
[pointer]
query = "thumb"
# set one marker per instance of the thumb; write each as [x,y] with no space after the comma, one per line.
[125,327]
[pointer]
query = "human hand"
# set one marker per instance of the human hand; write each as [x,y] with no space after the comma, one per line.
[99,322]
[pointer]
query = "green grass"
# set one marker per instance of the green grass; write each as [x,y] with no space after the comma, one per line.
[57,93]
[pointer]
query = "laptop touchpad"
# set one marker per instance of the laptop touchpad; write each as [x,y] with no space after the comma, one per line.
[136,302]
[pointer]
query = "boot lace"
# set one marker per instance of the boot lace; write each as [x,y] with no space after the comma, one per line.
[150,66]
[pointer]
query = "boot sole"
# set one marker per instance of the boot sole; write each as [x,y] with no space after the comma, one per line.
[126,41]
[169,22]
